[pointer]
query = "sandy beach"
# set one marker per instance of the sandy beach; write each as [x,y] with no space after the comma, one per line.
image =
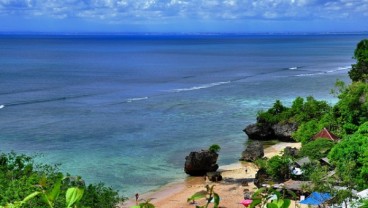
[236,178]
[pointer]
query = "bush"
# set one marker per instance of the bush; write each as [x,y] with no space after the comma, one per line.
[278,167]
[21,177]
[214,148]
[316,149]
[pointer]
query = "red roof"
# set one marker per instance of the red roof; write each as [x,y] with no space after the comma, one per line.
[325,134]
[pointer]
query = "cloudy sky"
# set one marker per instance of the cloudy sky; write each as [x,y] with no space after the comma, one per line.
[183,15]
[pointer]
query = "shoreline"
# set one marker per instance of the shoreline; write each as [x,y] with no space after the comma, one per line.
[236,177]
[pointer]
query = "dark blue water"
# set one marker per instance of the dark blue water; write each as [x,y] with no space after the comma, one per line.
[126,110]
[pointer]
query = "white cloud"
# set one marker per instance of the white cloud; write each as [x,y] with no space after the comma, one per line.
[114,10]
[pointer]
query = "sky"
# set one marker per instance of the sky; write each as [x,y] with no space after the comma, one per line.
[184,16]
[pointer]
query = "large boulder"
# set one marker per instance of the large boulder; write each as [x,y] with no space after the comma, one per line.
[199,163]
[284,131]
[267,131]
[253,151]
[259,131]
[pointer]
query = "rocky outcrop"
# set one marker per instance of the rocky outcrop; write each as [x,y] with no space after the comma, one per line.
[267,131]
[284,131]
[253,151]
[291,151]
[261,177]
[214,176]
[199,163]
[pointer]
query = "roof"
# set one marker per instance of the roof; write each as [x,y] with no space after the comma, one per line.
[303,161]
[325,134]
[295,185]
[325,160]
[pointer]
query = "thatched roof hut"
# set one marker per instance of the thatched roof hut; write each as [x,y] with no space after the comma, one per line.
[296,185]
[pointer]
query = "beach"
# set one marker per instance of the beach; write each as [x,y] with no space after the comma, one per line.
[236,178]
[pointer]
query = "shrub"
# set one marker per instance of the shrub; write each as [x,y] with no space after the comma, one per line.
[316,149]
[21,178]
[214,148]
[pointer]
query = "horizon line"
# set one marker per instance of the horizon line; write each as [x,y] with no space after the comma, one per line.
[179,33]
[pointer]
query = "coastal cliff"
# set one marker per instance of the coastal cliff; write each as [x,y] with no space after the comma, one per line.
[263,130]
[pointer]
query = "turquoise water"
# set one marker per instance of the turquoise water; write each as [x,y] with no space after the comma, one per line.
[126,110]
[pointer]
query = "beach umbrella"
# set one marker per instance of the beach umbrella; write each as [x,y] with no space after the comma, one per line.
[246,202]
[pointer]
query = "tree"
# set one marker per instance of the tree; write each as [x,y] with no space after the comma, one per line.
[359,71]
[278,167]
[214,148]
[352,108]
[316,149]
[350,157]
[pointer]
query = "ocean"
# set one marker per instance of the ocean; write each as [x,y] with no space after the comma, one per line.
[126,110]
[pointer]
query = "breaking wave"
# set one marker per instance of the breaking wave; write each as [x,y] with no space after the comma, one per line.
[200,87]
[136,99]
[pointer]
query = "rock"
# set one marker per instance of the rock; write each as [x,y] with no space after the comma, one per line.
[283,132]
[214,176]
[259,132]
[267,131]
[261,177]
[253,151]
[199,163]
[291,151]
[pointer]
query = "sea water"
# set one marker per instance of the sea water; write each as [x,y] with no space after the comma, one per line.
[126,110]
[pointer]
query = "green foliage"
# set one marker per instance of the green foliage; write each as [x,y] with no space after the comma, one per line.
[300,111]
[214,148]
[359,70]
[265,198]
[352,108]
[261,163]
[306,131]
[26,184]
[100,196]
[146,204]
[278,167]
[350,157]
[316,149]
[210,196]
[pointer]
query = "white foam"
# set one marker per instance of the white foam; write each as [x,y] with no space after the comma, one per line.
[310,74]
[2,106]
[136,99]
[200,87]
[293,68]
[343,68]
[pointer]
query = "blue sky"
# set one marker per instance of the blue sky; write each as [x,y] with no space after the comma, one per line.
[183,15]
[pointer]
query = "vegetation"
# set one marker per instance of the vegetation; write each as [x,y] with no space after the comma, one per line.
[351,159]
[300,111]
[26,184]
[316,149]
[278,167]
[359,71]
[145,204]
[214,148]
[266,198]
[210,195]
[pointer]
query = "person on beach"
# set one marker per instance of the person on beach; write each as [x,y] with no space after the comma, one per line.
[246,170]
[136,197]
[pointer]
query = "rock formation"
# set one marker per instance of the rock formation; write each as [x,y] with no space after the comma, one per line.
[199,163]
[267,131]
[291,151]
[214,176]
[253,151]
